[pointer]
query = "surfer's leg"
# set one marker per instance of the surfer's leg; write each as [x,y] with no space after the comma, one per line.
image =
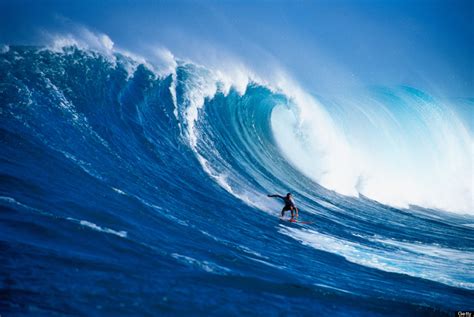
[283,211]
[292,214]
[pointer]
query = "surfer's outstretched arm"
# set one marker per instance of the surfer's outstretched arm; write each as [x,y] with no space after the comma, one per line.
[275,195]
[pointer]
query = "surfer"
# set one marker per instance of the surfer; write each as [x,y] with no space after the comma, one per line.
[289,204]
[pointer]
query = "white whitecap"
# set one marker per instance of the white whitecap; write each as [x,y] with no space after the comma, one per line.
[432,262]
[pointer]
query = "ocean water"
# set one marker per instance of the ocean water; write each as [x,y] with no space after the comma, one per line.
[128,192]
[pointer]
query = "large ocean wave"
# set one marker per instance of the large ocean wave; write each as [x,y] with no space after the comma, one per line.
[147,186]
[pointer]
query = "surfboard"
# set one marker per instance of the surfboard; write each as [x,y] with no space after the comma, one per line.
[297,221]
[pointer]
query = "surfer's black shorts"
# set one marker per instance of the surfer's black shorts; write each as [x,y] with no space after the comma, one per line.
[287,207]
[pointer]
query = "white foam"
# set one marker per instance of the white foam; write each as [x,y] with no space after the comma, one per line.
[4,49]
[85,223]
[267,263]
[448,266]
[174,98]
[93,226]
[161,211]
[86,167]
[329,205]
[13,201]
[121,192]
[207,266]
[252,252]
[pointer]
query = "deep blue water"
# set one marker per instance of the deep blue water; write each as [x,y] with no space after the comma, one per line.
[122,194]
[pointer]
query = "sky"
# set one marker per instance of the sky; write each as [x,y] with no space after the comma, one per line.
[326,45]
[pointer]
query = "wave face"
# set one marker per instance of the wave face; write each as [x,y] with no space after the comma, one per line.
[125,192]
